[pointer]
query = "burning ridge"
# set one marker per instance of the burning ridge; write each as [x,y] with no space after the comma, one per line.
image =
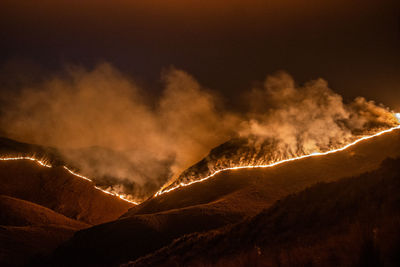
[250,159]
[47,164]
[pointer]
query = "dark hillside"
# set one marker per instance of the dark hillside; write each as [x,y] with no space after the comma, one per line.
[351,222]
[42,207]
[28,230]
[56,189]
[227,198]
[270,184]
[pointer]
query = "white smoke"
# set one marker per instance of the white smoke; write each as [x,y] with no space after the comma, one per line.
[106,125]
[309,118]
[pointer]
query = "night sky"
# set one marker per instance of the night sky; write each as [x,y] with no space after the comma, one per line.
[226,45]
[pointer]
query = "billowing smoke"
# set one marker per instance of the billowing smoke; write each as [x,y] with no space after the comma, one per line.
[105,125]
[309,118]
[286,121]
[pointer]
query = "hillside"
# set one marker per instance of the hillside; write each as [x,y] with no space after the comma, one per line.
[251,151]
[11,147]
[17,212]
[351,222]
[28,230]
[99,163]
[56,189]
[227,198]
[357,159]
[40,207]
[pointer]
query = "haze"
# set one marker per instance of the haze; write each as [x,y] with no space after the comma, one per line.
[227,45]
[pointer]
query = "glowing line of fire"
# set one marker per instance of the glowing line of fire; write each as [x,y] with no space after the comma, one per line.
[76,174]
[48,165]
[183,184]
[38,161]
[98,188]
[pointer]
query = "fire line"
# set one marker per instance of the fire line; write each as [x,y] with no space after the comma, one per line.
[48,165]
[38,161]
[183,184]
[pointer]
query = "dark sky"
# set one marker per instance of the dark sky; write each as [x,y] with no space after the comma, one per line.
[226,45]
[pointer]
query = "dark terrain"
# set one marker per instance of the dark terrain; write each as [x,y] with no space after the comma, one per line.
[280,216]
[40,207]
[228,198]
[57,189]
[28,230]
[351,222]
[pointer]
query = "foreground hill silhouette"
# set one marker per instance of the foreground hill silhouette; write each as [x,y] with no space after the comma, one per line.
[227,198]
[351,222]
[28,229]
[42,207]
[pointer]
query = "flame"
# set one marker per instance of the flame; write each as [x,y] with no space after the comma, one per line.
[183,184]
[46,164]
[38,161]
[121,196]
[162,191]
[76,174]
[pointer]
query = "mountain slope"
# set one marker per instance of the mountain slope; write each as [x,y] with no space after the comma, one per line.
[17,212]
[40,208]
[27,230]
[227,198]
[57,189]
[9,147]
[351,222]
[251,151]
[21,245]
[269,184]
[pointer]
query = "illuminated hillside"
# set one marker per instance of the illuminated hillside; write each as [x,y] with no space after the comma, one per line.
[228,198]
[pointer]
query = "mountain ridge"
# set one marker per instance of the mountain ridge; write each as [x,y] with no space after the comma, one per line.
[360,212]
[235,194]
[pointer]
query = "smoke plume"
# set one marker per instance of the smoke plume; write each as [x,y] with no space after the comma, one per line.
[309,118]
[104,123]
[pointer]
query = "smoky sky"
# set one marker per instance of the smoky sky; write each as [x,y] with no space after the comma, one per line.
[226,44]
[163,82]
[102,122]
[106,125]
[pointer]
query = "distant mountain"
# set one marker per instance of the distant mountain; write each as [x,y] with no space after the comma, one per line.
[228,198]
[350,222]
